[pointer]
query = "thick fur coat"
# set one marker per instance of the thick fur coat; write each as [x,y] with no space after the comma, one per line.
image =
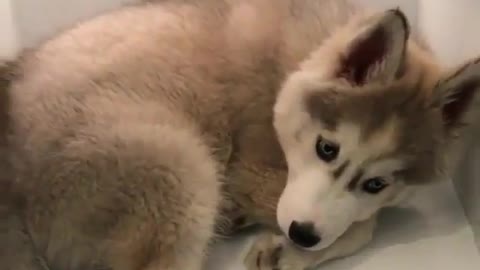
[136,136]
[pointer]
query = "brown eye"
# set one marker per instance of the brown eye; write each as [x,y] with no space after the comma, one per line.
[326,151]
[374,185]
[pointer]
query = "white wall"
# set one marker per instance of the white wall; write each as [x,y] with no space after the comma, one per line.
[410,7]
[39,19]
[8,37]
[452,27]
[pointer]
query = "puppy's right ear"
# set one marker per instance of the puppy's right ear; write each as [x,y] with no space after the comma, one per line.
[377,51]
[458,95]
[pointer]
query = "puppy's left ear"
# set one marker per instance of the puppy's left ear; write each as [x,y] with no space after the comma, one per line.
[457,94]
[376,52]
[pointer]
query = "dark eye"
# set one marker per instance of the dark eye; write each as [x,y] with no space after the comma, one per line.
[327,151]
[374,185]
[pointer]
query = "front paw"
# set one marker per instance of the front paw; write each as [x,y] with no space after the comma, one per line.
[272,252]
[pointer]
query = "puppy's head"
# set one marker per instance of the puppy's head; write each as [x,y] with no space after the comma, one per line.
[361,123]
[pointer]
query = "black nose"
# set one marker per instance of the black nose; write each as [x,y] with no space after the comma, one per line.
[303,234]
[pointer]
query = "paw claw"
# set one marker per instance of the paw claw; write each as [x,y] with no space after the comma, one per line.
[276,254]
[265,254]
[259,259]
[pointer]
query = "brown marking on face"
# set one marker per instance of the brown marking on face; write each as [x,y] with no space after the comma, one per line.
[337,173]
[368,107]
[395,112]
[354,181]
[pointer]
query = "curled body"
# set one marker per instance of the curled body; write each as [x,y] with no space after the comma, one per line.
[135,137]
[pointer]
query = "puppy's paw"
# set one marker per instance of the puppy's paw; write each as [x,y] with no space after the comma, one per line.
[272,252]
[233,222]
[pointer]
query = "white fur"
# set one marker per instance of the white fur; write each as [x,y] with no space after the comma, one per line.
[312,195]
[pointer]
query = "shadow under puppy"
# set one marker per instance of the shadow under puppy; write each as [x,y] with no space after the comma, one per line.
[135,134]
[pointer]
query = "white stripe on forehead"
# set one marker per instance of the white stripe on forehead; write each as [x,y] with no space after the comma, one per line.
[383,167]
[383,140]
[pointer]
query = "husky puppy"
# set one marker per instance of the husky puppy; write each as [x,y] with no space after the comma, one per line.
[134,135]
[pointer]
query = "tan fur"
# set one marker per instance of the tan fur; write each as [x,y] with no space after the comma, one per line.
[135,132]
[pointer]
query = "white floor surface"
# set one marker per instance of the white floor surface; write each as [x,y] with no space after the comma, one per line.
[430,232]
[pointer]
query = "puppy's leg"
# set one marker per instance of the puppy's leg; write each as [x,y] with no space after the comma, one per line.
[141,197]
[273,252]
[173,227]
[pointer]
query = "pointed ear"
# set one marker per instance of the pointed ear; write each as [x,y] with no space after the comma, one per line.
[377,51]
[457,92]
